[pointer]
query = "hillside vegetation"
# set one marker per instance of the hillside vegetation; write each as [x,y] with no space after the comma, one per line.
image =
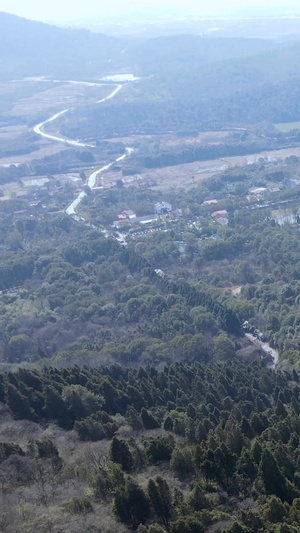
[177,450]
[137,387]
[30,48]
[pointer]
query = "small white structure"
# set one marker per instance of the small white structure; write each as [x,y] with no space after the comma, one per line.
[258,190]
[209,202]
[147,219]
[163,207]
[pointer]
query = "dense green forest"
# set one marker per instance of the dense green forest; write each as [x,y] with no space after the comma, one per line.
[252,251]
[161,110]
[178,450]
[72,296]
[94,301]
[255,82]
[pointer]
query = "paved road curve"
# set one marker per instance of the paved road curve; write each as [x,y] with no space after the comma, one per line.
[39,129]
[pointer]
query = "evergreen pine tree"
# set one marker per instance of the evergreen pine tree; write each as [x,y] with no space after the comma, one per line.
[168,424]
[149,422]
[161,500]
[119,453]
[19,404]
[246,428]
[197,499]
[55,407]
[131,504]
[274,481]
[280,410]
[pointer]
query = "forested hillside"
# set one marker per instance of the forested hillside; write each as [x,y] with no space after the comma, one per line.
[195,81]
[100,430]
[149,284]
[191,448]
[193,84]
[72,296]
[258,82]
[93,301]
[30,48]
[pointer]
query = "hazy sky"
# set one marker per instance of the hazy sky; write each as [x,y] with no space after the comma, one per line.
[62,10]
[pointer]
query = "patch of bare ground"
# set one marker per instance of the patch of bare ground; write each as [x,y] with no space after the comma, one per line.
[167,177]
[12,132]
[170,140]
[186,175]
[26,515]
[130,140]
[58,97]
[219,527]
[33,493]
[203,137]
[191,173]
[46,148]
[235,290]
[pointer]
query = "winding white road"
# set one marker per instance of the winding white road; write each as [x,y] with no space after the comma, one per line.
[92,182]
[39,130]
[71,209]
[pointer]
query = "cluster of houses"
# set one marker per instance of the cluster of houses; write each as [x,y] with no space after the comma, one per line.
[128,217]
[221,216]
[259,192]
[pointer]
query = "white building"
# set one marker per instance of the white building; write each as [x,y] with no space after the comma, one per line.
[163,207]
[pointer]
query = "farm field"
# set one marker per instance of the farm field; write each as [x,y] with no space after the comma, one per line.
[182,175]
[42,98]
[46,148]
[57,95]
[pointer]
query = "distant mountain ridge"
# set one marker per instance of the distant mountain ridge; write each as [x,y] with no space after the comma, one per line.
[30,48]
